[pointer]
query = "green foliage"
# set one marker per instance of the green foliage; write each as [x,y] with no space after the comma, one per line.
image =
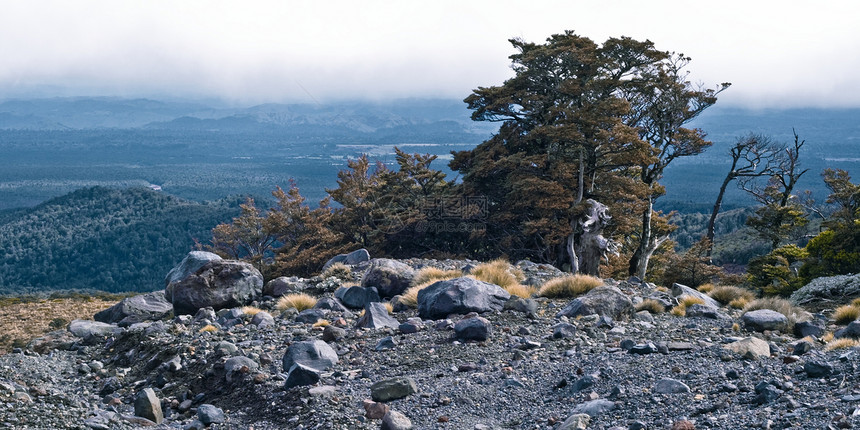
[775,223]
[773,274]
[692,268]
[100,238]
[833,252]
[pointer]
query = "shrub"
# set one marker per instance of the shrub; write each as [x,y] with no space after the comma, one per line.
[772,273]
[299,301]
[679,311]
[208,328]
[58,323]
[726,294]
[498,272]
[841,344]
[793,313]
[338,270]
[569,286]
[845,314]
[433,274]
[692,268]
[651,305]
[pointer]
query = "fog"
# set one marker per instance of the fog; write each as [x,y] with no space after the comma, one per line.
[776,54]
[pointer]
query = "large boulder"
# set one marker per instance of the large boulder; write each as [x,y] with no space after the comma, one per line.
[217,284]
[460,296]
[679,290]
[827,292]
[356,297]
[390,277]
[604,300]
[143,307]
[86,329]
[284,285]
[750,347]
[376,316]
[190,265]
[315,354]
[765,319]
[353,258]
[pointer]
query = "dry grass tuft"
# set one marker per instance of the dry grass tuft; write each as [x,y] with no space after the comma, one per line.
[250,310]
[793,313]
[739,303]
[208,328]
[521,291]
[725,294]
[299,301]
[845,314]
[687,301]
[433,274]
[736,327]
[679,311]
[662,289]
[338,270]
[706,288]
[499,272]
[389,307]
[856,302]
[321,323]
[827,337]
[651,305]
[841,344]
[569,286]
[410,296]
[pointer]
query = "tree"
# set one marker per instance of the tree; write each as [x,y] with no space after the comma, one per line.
[753,156]
[358,193]
[662,102]
[250,237]
[563,141]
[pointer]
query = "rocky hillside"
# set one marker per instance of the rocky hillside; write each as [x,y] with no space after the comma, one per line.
[218,349]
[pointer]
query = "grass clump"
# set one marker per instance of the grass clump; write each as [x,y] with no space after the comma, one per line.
[410,296]
[793,313]
[684,302]
[251,310]
[499,272]
[433,274]
[739,303]
[299,301]
[726,293]
[521,291]
[856,302]
[338,270]
[845,314]
[827,337]
[569,286]
[650,305]
[706,288]
[321,323]
[841,344]
[208,328]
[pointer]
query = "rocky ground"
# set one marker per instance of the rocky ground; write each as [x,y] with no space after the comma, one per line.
[535,370]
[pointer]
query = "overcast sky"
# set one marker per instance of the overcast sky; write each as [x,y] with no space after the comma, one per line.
[776,53]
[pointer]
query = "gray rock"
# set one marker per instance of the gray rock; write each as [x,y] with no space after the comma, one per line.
[225,348]
[575,422]
[563,330]
[827,290]
[209,414]
[460,296]
[315,354]
[594,408]
[301,375]
[808,328]
[86,329]
[263,319]
[643,349]
[392,389]
[147,405]
[703,311]
[310,316]
[394,420]
[333,334]
[764,319]
[679,290]
[353,258]
[474,328]
[583,383]
[331,304]
[234,367]
[750,347]
[376,316]
[670,386]
[766,393]
[284,285]
[603,300]
[145,307]
[390,277]
[386,342]
[356,297]
[217,284]
[518,304]
[412,325]
[817,369]
[189,265]
[852,331]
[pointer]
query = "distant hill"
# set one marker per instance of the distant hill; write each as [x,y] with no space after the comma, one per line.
[102,238]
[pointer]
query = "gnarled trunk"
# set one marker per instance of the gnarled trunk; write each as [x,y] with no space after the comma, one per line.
[586,244]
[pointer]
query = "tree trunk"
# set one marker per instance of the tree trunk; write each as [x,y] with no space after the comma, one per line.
[639,262]
[712,222]
[587,248]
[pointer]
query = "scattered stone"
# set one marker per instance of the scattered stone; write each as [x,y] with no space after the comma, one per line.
[683,425]
[460,296]
[808,328]
[519,304]
[824,291]
[147,405]
[766,393]
[374,410]
[750,347]
[330,304]
[301,375]
[764,319]
[143,307]
[392,389]
[412,325]
[390,277]
[351,259]
[310,316]
[594,408]
[86,329]
[323,391]
[217,284]
[563,330]
[376,316]
[394,420]
[644,348]
[333,334]
[473,328]
[851,331]
[209,414]
[357,297]
[604,300]
[234,367]
[679,290]
[315,354]
[284,285]
[263,319]
[386,342]
[703,311]
[575,422]
[670,386]
[817,369]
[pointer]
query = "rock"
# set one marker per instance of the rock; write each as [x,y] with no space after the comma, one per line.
[189,265]
[412,325]
[394,420]
[703,311]
[679,290]
[217,284]
[315,354]
[750,347]
[817,369]
[331,304]
[563,330]
[594,408]
[301,375]
[644,348]
[801,347]
[327,391]
[310,316]
[234,367]
[604,300]
[351,259]
[766,393]
[209,414]
[575,422]
[374,410]
[852,331]
[225,348]
[390,277]
[333,334]
[764,319]
[460,296]
[284,285]
[808,328]
[386,342]
[583,383]
[474,328]
[670,386]
[86,329]
[357,297]
[392,389]
[147,405]
[145,307]
[263,319]
[518,304]
[683,425]
[376,316]
[825,291]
